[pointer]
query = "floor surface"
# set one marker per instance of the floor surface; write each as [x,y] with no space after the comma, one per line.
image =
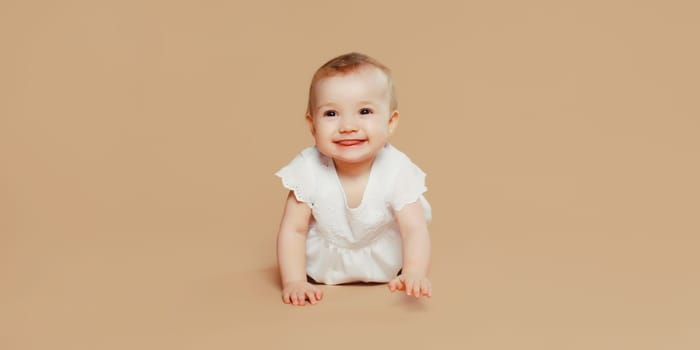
[138,143]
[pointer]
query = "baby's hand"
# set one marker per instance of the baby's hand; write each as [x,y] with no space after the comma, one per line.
[297,292]
[413,285]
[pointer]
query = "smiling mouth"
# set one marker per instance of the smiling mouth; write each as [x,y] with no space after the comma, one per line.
[353,142]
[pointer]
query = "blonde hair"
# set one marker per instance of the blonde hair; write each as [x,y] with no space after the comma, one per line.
[348,63]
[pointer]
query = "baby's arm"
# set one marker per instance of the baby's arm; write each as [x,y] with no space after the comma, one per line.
[291,254]
[416,252]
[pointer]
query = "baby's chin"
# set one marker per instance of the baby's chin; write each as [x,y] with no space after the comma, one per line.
[354,161]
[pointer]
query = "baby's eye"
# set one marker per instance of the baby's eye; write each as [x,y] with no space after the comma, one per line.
[365,111]
[329,113]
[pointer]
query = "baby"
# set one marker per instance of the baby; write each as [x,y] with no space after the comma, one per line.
[355,210]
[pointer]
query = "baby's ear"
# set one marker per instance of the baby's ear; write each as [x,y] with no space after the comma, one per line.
[310,120]
[393,121]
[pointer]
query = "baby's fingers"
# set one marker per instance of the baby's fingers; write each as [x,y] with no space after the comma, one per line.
[298,298]
[286,298]
[314,294]
[426,288]
[395,284]
[409,284]
[417,289]
[311,296]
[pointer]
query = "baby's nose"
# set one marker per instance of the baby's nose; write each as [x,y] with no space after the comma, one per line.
[348,124]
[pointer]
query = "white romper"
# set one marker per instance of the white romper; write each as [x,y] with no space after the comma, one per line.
[361,244]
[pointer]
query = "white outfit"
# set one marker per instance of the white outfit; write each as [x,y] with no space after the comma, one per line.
[361,244]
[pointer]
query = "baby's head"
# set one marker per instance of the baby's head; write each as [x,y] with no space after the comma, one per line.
[352,108]
[347,64]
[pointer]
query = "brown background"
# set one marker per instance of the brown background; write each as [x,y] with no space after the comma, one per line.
[138,142]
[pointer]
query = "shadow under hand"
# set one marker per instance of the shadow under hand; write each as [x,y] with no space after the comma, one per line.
[410,302]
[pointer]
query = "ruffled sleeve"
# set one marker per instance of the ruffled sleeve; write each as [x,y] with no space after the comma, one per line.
[409,185]
[298,176]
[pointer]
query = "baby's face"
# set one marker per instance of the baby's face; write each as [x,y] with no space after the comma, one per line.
[350,117]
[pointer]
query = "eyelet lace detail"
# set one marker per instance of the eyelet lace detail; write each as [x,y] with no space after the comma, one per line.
[409,185]
[298,177]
